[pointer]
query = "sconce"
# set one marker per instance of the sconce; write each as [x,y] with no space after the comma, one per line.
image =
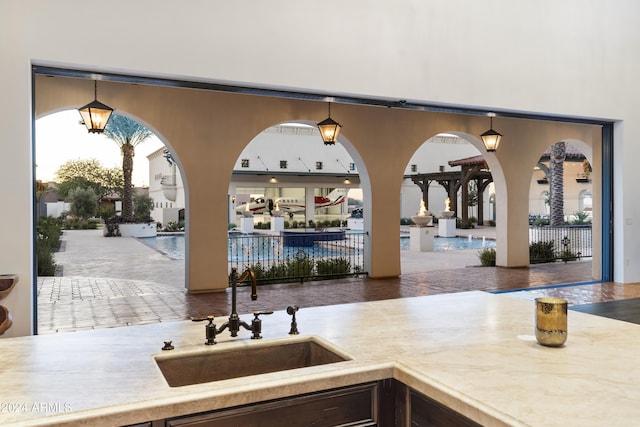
[273,180]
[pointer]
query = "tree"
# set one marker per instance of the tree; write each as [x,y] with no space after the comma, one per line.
[88,174]
[142,206]
[127,134]
[558,155]
[84,202]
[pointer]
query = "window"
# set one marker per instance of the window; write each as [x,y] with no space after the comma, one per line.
[244,163]
[414,168]
[319,166]
[283,164]
[352,166]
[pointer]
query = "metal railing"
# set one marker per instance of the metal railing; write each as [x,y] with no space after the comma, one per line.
[564,243]
[299,256]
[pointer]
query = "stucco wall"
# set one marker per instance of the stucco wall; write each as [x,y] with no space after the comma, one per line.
[565,58]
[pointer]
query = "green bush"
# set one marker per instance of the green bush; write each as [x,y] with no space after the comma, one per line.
[179,226]
[106,212]
[487,257]
[335,267]
[46,266]
[540,222]
[84,202]
[48,232]
[581,218]
[540,252]
[142,206]
[567,255]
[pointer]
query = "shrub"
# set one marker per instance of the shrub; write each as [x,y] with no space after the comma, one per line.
[487,257]
[84,202]
[179,226]
[581,218]
[300,266]
[44,259]
[406,221]
[106,212]
[567,255]
[540,252]
[48,232]
[540,222]
[335,267]
[142,206]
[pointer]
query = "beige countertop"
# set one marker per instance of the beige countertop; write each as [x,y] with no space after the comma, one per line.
[475,352]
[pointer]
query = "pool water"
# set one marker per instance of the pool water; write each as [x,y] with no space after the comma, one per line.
[453,243]
[173,246]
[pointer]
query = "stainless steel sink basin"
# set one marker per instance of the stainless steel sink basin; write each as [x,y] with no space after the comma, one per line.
[260,358]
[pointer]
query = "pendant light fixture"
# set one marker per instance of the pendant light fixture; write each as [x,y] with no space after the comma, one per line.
[491,138]
[95,115]
[329,129]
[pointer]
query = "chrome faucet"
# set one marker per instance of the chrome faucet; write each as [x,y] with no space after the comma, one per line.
[234,323]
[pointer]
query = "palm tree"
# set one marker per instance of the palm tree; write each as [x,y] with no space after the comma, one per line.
[558,155]
[127,134]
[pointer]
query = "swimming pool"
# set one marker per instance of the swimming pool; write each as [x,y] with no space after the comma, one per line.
[453,243]
[173,246]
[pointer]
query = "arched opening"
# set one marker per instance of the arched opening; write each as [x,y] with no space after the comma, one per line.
[290,205]
[561,204]
[449,174]
[83,269]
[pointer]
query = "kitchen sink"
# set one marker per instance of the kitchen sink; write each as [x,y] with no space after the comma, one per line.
[256,358]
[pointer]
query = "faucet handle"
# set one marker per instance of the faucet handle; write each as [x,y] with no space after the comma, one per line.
[256,324]
[210,329]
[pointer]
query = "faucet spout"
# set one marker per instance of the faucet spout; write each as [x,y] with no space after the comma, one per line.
[251,275]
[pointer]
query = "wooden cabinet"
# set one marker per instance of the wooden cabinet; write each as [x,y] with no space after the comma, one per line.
[386,403]
[353,406]
[425,411]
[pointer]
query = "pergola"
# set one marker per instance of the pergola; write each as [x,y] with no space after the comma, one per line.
[472,169]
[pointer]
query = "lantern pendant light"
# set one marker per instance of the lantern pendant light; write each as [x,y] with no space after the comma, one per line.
[95,115]
[329,129]
[491,138]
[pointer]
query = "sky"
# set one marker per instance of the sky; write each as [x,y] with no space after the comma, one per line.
[60,137]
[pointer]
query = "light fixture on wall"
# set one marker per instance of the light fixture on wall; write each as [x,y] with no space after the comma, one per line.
[346,181]
[95,115]
[273,180]
[329,129]
[491,138]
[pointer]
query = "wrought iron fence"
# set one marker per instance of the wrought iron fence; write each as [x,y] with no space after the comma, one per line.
[299,255]
[565,243]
